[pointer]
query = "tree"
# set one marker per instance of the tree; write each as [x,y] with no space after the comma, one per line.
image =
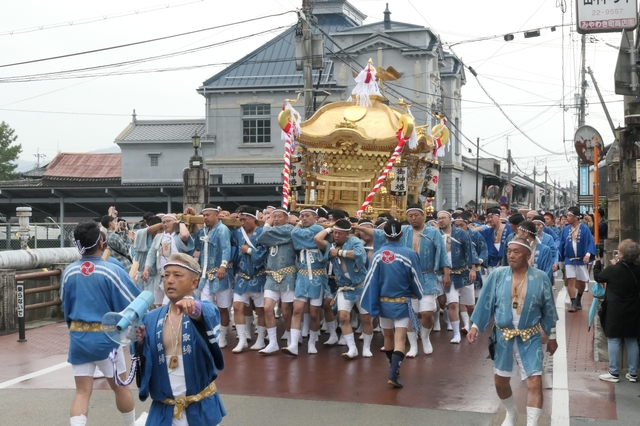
[8,152]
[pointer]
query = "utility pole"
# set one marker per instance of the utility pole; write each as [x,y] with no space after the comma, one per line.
[546,188]
[583,101]
[307,59]
[509,195]
[555,205]
[477,171]
[38,157]
[533,205]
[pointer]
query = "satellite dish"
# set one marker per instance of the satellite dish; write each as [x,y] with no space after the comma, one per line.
[121,326]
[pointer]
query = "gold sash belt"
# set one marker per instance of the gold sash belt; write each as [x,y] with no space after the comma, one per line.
[526,334]
[459,270]
[248,278]
[431,271]
[86,326]
[393,299]
[314,272]
[211,273]
[182,402]
[280,273]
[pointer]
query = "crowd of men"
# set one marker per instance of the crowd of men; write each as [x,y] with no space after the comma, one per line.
[319,269]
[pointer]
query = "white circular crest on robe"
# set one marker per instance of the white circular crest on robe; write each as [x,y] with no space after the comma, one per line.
[388,256]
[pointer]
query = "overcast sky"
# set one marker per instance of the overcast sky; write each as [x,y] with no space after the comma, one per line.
[524,76]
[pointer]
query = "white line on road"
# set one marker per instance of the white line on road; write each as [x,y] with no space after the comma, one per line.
[560,401]
[32,375]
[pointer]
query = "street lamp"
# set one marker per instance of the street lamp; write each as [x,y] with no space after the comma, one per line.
[195,140]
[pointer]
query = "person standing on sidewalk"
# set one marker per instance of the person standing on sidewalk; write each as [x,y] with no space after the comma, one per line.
[620,314]
[89,288]
[394,278]
[520,299]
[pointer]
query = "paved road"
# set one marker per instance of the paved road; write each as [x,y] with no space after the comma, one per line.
[452,386]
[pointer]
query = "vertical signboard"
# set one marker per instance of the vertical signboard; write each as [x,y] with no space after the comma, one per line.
[602,16]
[584,180]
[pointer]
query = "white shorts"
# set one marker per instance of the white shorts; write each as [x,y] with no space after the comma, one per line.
[516,366]
[453,295]
[426,304]
[468,295]
[286,296]
[248,296]
[579,272]
[388,324]
[105,365]
[347,305]
[222,299]
[312,302]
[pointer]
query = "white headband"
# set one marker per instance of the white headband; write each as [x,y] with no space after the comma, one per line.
[520,244]
[394,233]
[307,209]
[367,223]
[170,215]
[446,212]
[212,209]
[182,265]
[335,228]
[520,228]
[281,209]
[255,216]
[417,209]
[82,249]
[459,219]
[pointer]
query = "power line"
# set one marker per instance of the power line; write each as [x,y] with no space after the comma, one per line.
[83,21]
[143,41]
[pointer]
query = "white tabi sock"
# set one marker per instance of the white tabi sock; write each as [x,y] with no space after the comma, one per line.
[351,344]
[285,336]
[533,414]
[222,340]
[456,332]
[512,411]
[129,418]
[80,420]
[241,329]
[413,344]
[273,342]
[311,344]
[333,336]
[249,321]
[366,345]
[464,316]
[260,339]
[306,322]
[292,347]
[436,321]
[426,342]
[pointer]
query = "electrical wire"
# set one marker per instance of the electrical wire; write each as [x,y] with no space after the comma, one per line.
[104,49]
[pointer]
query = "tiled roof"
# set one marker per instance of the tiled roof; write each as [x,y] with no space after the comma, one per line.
[84,166]
[162,130]
[391,26]
[273,64]
[36,172]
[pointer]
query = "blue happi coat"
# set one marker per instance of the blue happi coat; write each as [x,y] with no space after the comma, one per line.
[309,259]
[248,265]
[281,254]
[539,308]
[356,268]
[89,288]
[495,256]
[141,246]
[394,273]
[218,242]
[548,241]
[201,358]
[432,255]
[585,245]
[480,247]
[155,254]
[462,255]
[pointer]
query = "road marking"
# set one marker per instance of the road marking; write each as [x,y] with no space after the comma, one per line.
[32,375]
[560,401]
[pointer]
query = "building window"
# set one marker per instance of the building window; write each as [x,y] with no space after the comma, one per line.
[215,179]
[256,123]
[154,160]
[247,179]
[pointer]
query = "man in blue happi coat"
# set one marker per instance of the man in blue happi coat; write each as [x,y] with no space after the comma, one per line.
[250,278]
[520,300]
[141,245]
[495,235]
[349,260]
[463,261]
[180,352]
[281,274]
[576,248]
[89,288]
[214,253]
[394,278]
[541,257]
[311,281]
